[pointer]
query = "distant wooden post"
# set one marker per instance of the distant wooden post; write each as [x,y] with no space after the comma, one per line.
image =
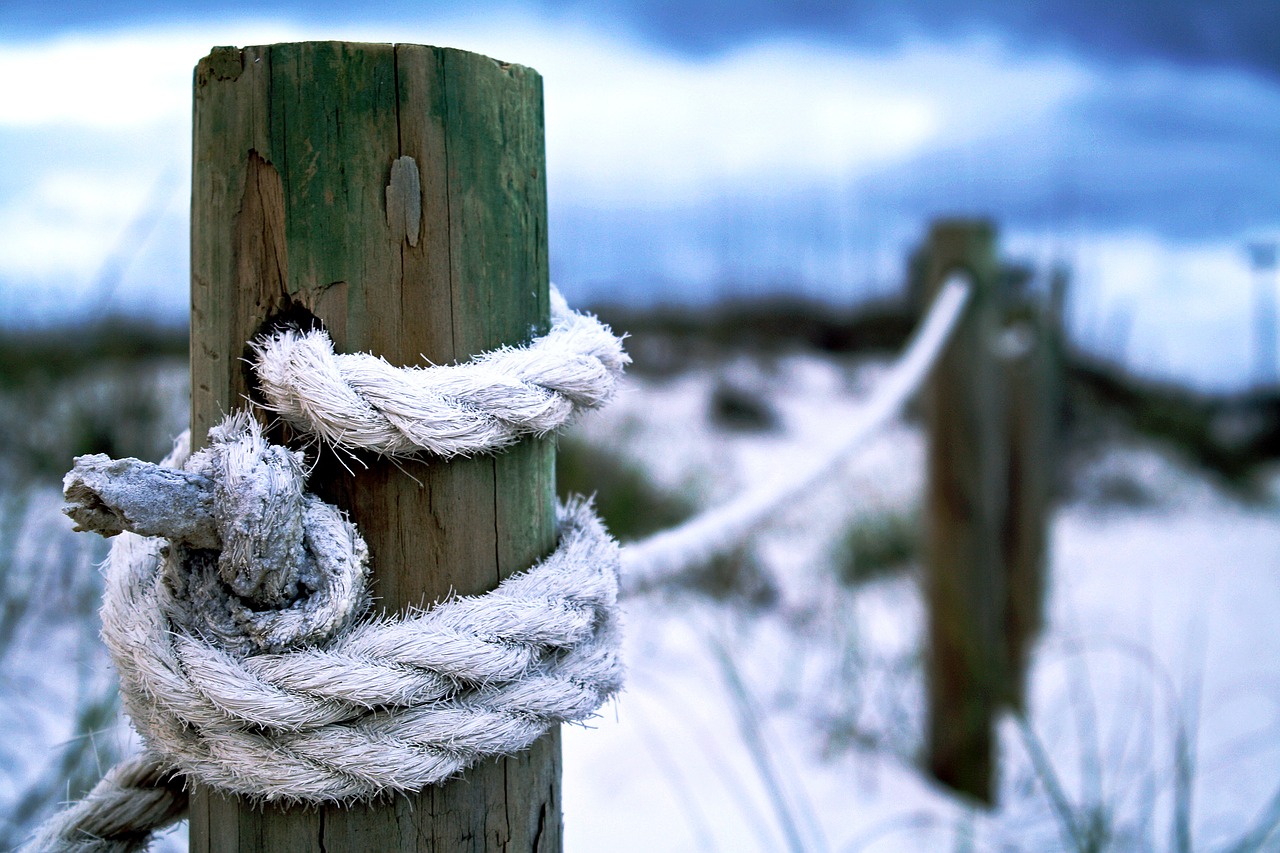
[965,502]
[398,194]
[1033,384]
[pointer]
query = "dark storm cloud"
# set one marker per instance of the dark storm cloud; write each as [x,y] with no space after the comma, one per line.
[1238,34]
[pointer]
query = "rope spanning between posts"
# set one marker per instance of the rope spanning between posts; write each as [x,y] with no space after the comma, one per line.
[236,607]
[721,529]
[236,603]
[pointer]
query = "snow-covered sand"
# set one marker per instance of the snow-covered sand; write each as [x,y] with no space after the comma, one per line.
[792,721]
[1162,634]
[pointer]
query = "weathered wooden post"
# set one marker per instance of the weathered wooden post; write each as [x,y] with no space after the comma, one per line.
[398,194]
[1032,377]
[965,502]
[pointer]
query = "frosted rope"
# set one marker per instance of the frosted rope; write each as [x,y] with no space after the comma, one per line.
[344,712]
[245,660]
[486,404]
[720,529]
[134,799]
[473,676]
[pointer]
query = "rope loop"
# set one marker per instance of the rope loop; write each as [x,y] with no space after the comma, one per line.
[253,563]
[236,607]
[491,402]
[247,667]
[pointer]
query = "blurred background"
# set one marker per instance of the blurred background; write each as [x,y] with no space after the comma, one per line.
[741,187]
[699,151]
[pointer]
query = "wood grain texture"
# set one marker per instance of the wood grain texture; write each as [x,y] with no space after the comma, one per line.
[293,150]
[965,504]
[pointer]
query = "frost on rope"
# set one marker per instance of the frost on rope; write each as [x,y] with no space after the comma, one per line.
[490,402]
[301,703]
[252,562]
[135,798]
[235,601]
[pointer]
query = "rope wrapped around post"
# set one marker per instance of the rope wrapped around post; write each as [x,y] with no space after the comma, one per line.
[360,401]
[236,605]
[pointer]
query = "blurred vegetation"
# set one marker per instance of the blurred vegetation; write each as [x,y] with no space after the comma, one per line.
[95,388]
[114,386]
[1230,434]
[626,498]
[60,700]
[633,507]
[51,354]
[738,577]
[78,767]
[742,409]
[669,338]
[877,544]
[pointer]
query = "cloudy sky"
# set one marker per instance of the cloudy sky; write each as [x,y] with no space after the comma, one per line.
[713,149]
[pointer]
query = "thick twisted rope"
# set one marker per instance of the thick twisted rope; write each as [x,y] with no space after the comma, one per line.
[361,401]
[134,799]
[386,705]
[235,606]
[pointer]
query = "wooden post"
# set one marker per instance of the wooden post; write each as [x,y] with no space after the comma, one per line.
[964,515]
[1032,383]
[398,194]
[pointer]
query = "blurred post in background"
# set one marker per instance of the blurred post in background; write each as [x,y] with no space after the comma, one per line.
[965,500]
[1033,377]
[992,410]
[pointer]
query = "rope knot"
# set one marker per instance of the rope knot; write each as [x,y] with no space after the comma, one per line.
[253,563]
[235,607]
[242,658]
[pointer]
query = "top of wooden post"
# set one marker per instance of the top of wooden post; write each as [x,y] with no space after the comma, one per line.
[966,245]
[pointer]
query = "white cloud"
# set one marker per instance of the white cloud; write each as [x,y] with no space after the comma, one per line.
[625,123]
[67,222]
[1176,311]
[626,126]
[109,80]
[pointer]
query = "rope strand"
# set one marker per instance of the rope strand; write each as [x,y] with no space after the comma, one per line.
[361,401]
[720,529]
